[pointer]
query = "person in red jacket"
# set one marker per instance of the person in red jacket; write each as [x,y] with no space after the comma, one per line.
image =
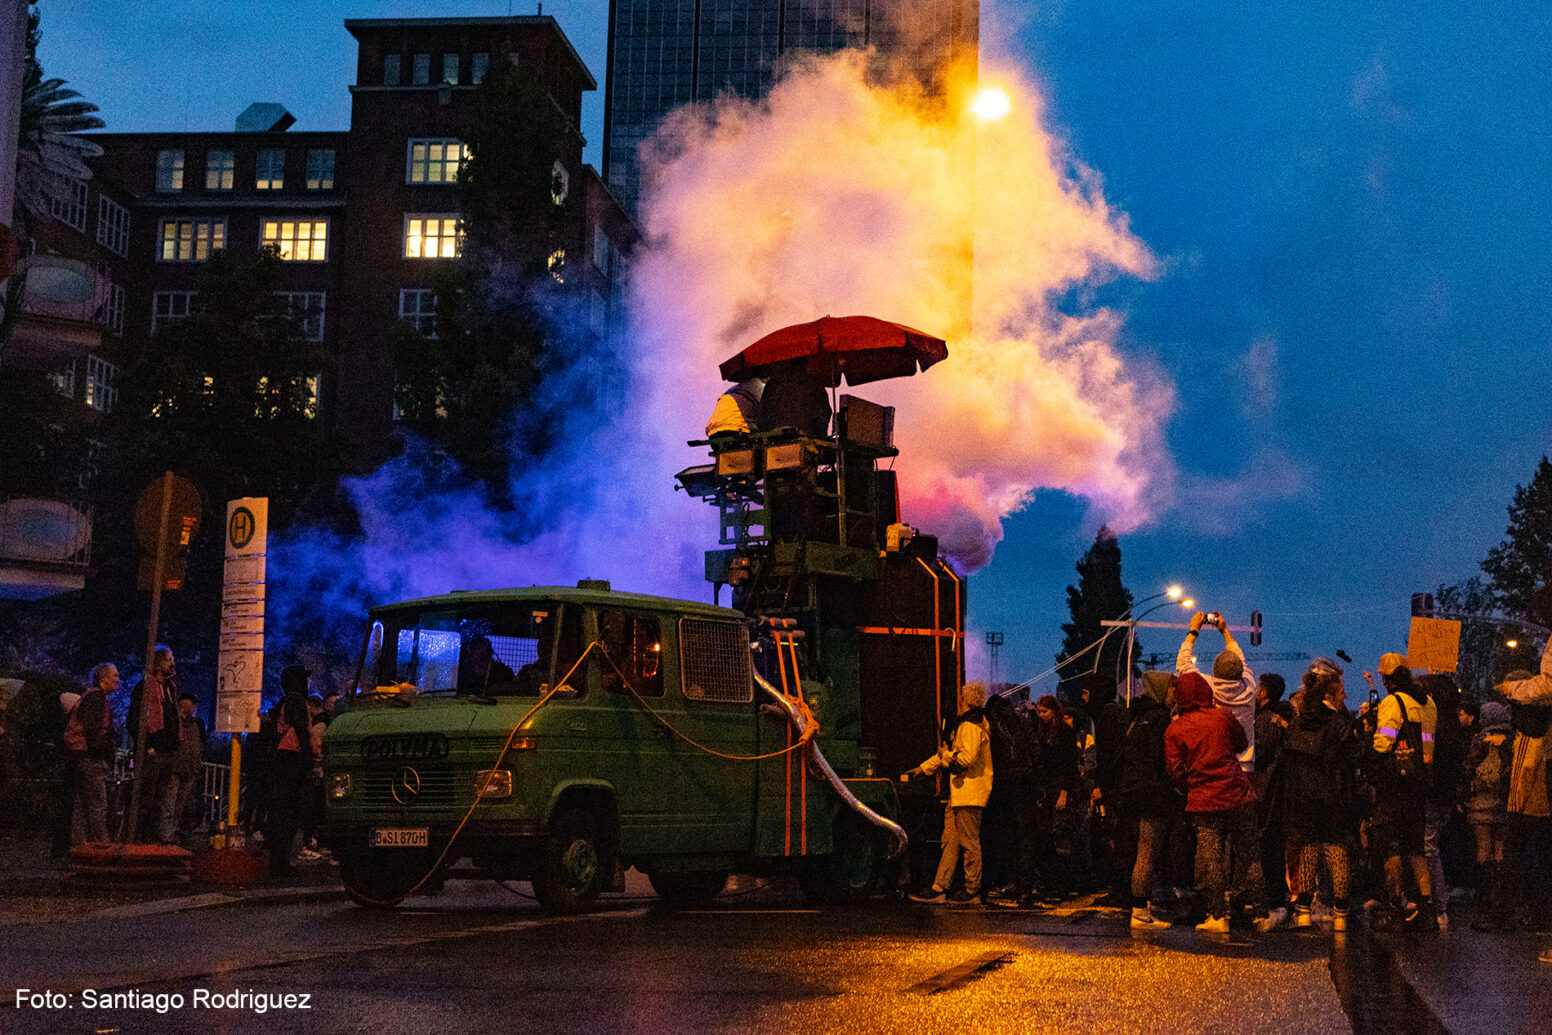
[1201,752]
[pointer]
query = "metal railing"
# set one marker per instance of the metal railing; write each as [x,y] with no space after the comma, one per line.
[217,779]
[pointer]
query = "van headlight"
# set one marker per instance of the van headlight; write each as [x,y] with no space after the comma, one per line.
[493,783]
[339,786]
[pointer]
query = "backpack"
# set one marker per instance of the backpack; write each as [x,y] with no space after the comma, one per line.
[1013,739]
[75,733]
[1408,752]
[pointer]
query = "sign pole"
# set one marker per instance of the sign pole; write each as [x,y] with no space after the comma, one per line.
[236,783]
[240,664]
[145,691]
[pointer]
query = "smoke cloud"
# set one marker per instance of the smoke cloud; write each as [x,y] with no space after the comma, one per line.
[836,196]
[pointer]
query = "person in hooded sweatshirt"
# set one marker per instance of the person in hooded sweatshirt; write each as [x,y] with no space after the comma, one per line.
[1202,751]
[1489,763]
[968,758]
[1147,802]
[1318,765]
[1233,684]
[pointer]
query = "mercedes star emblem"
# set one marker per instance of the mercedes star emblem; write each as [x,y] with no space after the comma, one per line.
[405,786]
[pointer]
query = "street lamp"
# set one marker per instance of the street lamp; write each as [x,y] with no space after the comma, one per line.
[1173,592]
[991,103]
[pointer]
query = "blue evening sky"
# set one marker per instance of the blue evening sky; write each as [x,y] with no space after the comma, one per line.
[1353,202]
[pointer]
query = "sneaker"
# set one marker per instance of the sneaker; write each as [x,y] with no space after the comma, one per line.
[931,895]
[308,855]
[1338,922]
[1303,921]
[963,898]
[1214,925]
[1272,920]
[1144,920]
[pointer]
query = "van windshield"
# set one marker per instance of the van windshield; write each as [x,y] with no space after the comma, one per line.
[488,650]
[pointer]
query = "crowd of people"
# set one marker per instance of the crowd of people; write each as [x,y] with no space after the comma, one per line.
[1216,798]
[283,761]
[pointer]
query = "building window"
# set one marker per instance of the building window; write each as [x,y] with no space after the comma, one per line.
[417,307]
[112,225]
[478,67]
[433,237]
[71,209]
[390,70]
[169,170]
[299,240]
[306,307]
[560,183]
[272,169]
[220,170]
[64,381]
[450,69]
[422,69]
[434,161]
[113,309]
[170,305]
[320,170]
[603,251]
[100,392]
[191,240]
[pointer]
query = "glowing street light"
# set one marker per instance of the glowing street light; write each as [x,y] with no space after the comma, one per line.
[1511,644]
[991,103]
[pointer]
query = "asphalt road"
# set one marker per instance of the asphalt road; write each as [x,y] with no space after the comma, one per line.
[479,958]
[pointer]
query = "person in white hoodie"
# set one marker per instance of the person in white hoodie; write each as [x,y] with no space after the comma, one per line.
[969,762]
[1233,684]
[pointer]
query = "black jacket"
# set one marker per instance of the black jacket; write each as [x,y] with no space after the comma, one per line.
[164,740]
[1144,788]
[1316,775]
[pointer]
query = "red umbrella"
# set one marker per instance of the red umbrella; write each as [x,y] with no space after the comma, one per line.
[860,348]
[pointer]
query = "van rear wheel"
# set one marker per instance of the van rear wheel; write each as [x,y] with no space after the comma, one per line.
[573,865]
[686,890]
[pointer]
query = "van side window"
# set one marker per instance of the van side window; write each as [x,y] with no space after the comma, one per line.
[635,645]
[569,649]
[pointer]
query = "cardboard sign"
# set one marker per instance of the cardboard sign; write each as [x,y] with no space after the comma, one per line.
[239,672]
[1434,644]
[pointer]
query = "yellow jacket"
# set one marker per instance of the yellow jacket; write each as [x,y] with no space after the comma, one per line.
[971,756]
[1388,724]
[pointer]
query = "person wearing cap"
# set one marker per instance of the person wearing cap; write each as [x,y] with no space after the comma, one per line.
[1400,766]
[1487,810]
[1233,684]
[188,767]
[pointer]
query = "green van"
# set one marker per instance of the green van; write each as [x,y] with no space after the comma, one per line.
[561,735]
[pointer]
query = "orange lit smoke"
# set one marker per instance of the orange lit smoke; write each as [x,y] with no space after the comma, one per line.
[833,196]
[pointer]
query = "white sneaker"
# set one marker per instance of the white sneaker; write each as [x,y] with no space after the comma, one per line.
[1144,920]
[1214,925]
[1272,920]
[308,855]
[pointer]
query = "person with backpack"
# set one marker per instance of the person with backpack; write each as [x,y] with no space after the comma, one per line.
[1489,763]
[89,738]
[1316,778]
[1009,833]
[968,758]
[1147,804]
[1400,766]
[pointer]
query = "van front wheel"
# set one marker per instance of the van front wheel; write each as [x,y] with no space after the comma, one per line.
[573,865]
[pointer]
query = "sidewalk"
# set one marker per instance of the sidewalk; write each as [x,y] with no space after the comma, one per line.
[36,889]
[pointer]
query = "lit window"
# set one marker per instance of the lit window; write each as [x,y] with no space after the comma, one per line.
[478,67]
[169,170]
[170,305]
[557,265]
[307,307]
[191,240]
[320,170]
[450,69]
[112,225]
[390,70]
[71,208]
[272,169]
[434,161]
[417,307]
[422,67]
[100,392]
[220,170]
[299,240]
[64,381]
[433,237]
[560,183]
[298,389]
[113,309]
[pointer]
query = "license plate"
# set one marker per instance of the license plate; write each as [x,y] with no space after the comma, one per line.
[399,838]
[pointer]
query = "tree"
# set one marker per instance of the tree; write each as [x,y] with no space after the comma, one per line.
[1520,567]
[507,313]
[1098,596]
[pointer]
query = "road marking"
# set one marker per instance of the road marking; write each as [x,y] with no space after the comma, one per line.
[964,972]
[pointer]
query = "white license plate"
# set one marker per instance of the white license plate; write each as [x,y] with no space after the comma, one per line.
[399,838]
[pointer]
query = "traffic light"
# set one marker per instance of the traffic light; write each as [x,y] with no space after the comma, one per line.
[1255,628]
[1422,605]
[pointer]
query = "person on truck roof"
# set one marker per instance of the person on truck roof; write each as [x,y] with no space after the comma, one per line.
[968,758]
